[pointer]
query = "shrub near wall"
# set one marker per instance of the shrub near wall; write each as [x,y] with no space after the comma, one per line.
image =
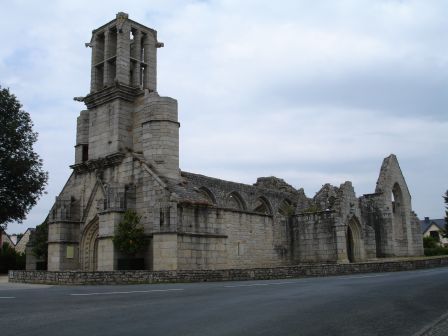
[10,259]
[436,251]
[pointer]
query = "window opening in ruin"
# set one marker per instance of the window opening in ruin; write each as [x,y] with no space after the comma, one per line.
[162,217]
[99,76]
[396,197]
[263,206]
[350,255]
[207,194]
[142,76]
[111,72]
[133,51]
[234,201]
[85,152]
[111,44]
[393,201]
[398,216]
[286,208]
[99,48]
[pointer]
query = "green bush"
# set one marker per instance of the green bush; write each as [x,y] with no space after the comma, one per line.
[130,237]
[435,251]
[10,259]
[39,241]
[430,242]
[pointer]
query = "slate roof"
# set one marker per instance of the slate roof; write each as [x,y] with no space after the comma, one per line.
[426,223]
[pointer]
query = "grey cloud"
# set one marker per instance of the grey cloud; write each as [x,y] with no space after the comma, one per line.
[387,90]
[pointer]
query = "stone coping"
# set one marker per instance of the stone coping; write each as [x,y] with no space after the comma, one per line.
[179,276]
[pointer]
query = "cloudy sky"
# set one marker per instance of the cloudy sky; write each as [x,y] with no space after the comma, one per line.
[310,91]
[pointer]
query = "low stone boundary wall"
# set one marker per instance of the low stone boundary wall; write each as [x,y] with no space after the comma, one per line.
[300,271]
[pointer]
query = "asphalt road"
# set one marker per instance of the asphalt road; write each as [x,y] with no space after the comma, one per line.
[405,303]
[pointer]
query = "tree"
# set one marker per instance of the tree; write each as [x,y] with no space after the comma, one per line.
[10,259]
[39,241]
[130,236]
[22,179]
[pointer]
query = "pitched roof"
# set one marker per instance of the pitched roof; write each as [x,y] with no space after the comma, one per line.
[426,223]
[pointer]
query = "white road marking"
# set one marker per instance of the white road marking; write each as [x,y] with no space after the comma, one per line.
[434,270]
[265,284]
[7,297]
[130,292]
[364,276]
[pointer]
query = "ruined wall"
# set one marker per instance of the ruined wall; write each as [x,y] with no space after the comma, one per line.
[213,238]
[416,248]
[252,218]
[394,202]
[313,238]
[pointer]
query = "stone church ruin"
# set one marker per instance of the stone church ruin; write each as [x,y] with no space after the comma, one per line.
[127,157]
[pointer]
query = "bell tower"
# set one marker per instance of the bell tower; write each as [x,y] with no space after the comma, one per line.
[124,52]
[124,111]
[127,150]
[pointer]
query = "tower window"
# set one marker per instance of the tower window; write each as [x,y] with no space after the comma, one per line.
[99,76]
[85,153]
[142,76]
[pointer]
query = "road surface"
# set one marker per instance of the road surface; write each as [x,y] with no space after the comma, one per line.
[402,303]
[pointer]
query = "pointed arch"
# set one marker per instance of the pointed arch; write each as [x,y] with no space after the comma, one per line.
[397,197]
[204,191]
[398,208]
[286,208]
[354,240]
[235,201]
[263,205]
[89,246]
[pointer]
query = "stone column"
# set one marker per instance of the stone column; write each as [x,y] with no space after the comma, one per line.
[107,256]
[93,85]
[123,54]
[341,242]
[150,59]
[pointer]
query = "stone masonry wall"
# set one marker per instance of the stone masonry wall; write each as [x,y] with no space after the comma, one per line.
[213,238]
[136,277]
[254,239]
[314,238]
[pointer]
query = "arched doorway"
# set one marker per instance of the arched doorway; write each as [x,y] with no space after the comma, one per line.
[350,255]
[353,239]
[89,246]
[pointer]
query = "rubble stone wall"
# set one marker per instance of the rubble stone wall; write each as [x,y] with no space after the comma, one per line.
[182,276]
